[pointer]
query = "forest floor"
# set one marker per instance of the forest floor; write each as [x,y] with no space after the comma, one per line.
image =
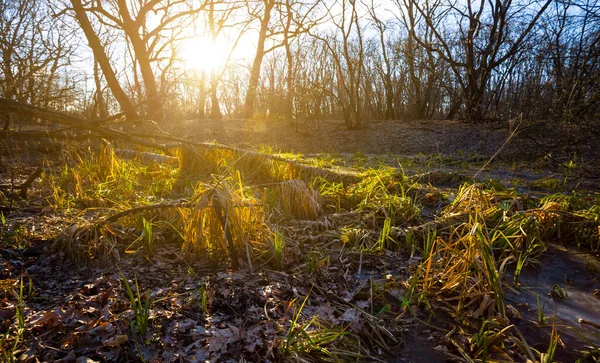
[394,243]
[535,141]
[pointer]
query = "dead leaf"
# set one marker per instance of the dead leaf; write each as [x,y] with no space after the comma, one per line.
[222,338]
[198,332]
[85,360]
[181,326]
[106,312]
[115,341]
[7,313]
[104,330]
[363,304]
[350,315]
[70,340]
[253,338]
[28,356]
[196,344]
[50,319]
[69,358]
[197,355]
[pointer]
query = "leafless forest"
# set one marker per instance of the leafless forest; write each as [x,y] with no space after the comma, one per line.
[299,181]
[350,60]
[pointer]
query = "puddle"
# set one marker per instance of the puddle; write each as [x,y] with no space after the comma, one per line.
[419,348]
[568,270]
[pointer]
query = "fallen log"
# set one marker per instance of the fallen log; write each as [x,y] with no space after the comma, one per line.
[53,135]
[74,121]
[144,157]
[26,185]
[142,139]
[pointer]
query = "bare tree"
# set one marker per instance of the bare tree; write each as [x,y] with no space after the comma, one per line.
[296,18]
[152,49]
[101,57]
[424,72]
[314,80]
[34,50]
[345,46]
[214,81]
[488,33]
[574,46]
[220,18]
[354,60]
[280,22]
[263,14]
[99,105]
[385,65]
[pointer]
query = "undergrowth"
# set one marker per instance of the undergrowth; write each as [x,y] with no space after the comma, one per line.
[240,209]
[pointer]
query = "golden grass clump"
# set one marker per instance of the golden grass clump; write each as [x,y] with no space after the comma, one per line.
[462,269]
[459,271]
[195,163]
[297,200]
[88,241]
[531,230]
[469,197]
[463,265]
[259,168]
[202,162]
[262,168]
[222,222]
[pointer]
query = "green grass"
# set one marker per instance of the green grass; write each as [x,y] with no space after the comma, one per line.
[11,339]
[541,312]
[313,338]
[548,356]
[12,235]
[380,191]
[247,209]
[384,236]
[140,307]
[278,246]
[204,304]
[103,180]
[147,237]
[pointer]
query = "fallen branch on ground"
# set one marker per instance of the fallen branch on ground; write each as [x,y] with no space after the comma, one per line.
[26,185]
[143,139]
[74,121]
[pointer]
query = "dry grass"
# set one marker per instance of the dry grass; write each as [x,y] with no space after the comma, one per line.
[239,207]
[85,241]
[297,200]
[223,223]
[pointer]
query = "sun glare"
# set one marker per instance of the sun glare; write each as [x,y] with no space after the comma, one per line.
[202,54]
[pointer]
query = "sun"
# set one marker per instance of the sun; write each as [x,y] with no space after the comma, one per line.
[203,54]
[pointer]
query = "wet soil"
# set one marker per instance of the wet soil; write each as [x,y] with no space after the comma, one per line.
[570,269]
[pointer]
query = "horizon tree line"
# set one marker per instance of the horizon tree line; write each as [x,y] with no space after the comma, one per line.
[354,60]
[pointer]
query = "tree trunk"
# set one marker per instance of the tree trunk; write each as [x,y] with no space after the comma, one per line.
[101,111]
[10,90]
[155,107]
[415,97]
[202,97]
[289,79]
[258,58]
[215,110]
[94,42]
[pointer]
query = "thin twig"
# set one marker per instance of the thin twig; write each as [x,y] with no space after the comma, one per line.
[513,132]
